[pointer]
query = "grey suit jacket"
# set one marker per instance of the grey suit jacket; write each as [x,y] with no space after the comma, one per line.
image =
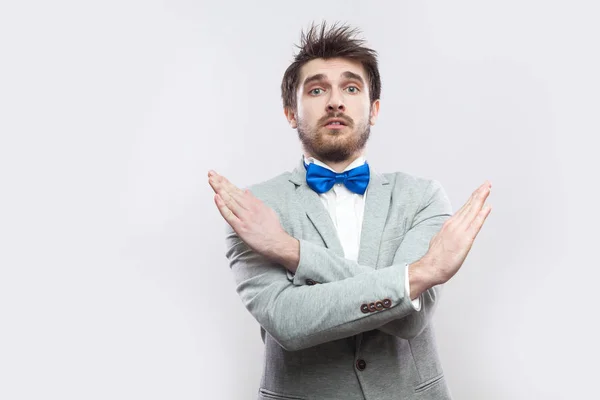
[340,329]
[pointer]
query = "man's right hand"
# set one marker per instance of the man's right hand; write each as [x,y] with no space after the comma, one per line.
[448,249]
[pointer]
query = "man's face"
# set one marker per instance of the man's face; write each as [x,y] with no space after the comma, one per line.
[338,89]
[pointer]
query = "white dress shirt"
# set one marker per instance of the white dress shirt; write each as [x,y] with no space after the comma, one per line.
[346,210]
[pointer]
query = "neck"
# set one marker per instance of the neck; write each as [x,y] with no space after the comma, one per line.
[337,166]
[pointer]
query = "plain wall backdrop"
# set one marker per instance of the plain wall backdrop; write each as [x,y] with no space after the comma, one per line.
[113,277]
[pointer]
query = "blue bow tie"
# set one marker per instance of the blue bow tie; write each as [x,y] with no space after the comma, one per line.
[322,179]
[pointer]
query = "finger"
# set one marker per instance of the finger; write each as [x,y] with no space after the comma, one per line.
[232,204]
[461,212]
[465,206]
[236,193]
[216,182]
[477,223]
[464,212]
[226,213]
[221,185]
[230,186]
[213,184]
[223,181]
[476,206]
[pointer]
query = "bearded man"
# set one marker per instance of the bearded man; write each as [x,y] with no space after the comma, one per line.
[341,265]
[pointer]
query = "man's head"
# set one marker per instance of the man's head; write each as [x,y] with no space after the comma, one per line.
[333,77]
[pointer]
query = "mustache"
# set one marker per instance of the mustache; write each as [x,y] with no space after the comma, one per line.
[347,120]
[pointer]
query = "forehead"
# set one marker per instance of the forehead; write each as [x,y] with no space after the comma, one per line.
[332,68]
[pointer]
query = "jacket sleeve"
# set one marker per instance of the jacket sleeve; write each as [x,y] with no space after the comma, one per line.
[434,210]
[299,317]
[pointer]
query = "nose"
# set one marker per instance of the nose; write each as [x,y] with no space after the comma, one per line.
[335,103]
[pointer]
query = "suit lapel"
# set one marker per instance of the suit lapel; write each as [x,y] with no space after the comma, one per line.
[377,204]
[316,211]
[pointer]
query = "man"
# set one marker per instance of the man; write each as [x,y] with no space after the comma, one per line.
[342,266]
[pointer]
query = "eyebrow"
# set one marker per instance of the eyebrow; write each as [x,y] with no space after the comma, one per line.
[322,77]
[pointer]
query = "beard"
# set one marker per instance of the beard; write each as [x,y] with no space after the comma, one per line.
[329,145]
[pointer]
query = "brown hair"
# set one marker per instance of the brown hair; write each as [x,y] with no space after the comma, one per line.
[337,41]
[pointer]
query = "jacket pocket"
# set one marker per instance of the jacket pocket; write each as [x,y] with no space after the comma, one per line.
[270,395]
[429,383]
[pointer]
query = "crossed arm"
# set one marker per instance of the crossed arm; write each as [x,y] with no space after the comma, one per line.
[327,267]
[299,315]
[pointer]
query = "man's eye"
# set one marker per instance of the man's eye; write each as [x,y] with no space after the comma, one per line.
[352,89]
[316,91]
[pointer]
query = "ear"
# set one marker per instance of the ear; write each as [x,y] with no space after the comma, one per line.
[374,112]
[291,117]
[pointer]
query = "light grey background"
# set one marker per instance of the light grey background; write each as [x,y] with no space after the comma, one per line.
[114,283]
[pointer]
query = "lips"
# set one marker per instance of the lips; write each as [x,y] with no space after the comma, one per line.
[335,122]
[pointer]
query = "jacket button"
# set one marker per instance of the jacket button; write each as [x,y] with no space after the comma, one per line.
[364,308]
[310,282]
[361,365]
[387,303]
[372,307]
[379,306]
